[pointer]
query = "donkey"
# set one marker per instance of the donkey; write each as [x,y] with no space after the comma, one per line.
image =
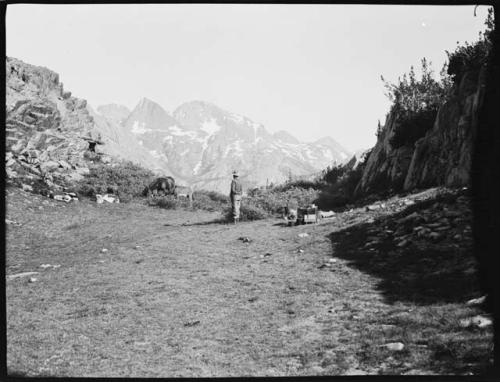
[160,185]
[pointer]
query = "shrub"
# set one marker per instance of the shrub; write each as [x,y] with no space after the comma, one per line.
[124,179]
[341,186]
[471,57]
[248,212]
[203,202]
[305,184]
[168,202]
[416,103]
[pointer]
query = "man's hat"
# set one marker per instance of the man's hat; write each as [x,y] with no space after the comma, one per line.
[235,173]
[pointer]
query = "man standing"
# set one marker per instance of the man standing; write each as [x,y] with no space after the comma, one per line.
[235,195]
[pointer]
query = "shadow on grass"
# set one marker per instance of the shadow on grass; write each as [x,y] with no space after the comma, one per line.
[220,221]
[423,274]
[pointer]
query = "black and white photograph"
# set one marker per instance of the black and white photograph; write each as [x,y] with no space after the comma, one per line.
[249,190]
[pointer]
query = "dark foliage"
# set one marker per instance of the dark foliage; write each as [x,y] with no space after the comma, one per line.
[125,179]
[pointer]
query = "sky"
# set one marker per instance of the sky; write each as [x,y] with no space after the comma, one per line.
[311,70]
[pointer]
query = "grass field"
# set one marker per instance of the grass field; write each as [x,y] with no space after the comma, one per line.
[177,294]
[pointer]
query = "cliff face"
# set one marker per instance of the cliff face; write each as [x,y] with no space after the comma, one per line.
[441,158]
[45,127]
[444,155]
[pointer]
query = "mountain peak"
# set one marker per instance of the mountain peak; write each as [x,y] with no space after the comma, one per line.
[285,136]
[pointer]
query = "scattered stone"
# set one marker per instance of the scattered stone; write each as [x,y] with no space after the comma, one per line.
[373,207]
[106,198]
[23,274]
[45,266]
[32,280]
[394,346]
[408,202]
[137,247]
[332,260]
[476,301]
[477,321]
[245,239]
[27,187]
[193,323]
[12,222]
[268,254]
[435,235]
[403,243]
[303,234]
[104,250]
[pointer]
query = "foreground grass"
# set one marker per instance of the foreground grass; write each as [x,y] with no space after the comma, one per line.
[177,294]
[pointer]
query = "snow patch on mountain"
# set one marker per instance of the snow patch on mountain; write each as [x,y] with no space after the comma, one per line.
[210,127]
[175,130]
[140,128]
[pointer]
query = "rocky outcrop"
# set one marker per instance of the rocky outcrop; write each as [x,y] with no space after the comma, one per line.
[442,157]
[47,130]
[386,167]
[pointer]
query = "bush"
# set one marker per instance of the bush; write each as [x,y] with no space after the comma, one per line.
[202,201]
[342,182]
[273,202]
[471,57]
[305,184]
[125,179]
[248,212]
[168,202]
[416,103]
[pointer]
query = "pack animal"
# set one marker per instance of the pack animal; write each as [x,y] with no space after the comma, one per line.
[165,186]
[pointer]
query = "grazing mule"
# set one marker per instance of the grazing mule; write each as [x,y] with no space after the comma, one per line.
[165,185]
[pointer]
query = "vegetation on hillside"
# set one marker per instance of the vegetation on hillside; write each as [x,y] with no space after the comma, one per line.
[340,184]
[124,179]
[416,101]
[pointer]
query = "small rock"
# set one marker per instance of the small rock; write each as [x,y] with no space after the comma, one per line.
[408,202]
[435,235]
[32,280]
[245,239]
[332,260]
[268,254]
[373,207]
[104,250]
[45,266]
[193,323]
[300,251]
[303,234]
[403,243]
[476,301]
[478,321]
[27,187]
[137,247]
[394,346]
[15,276]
